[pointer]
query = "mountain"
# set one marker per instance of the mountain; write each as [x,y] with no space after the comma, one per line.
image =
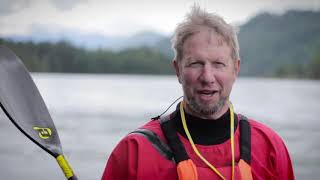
[272,44]
[90,40]
[164,46]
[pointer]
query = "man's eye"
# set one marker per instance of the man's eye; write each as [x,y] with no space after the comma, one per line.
[196,63]
[219,64]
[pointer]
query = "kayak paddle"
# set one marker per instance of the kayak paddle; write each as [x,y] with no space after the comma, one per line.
[22,103]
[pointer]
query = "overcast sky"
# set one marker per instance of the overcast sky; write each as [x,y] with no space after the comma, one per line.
[125,17]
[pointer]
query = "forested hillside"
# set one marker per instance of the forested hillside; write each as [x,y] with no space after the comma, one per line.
[273,45]
[63,57]
[285,45]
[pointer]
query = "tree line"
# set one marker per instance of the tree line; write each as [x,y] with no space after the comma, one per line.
[65,58]
[285,45]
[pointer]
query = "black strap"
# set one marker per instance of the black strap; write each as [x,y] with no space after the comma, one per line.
[245,139]
[175,150]
[156,142]
[174,142]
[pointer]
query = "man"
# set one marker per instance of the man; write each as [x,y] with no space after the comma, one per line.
[203,138]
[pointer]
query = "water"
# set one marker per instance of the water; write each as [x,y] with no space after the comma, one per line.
[93,112]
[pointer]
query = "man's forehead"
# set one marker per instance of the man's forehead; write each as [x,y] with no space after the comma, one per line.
[207,35]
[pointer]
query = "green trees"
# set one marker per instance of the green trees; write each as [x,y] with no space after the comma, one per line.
[271,45]
[314,67]
[309,70]
[63,57]
[279,45]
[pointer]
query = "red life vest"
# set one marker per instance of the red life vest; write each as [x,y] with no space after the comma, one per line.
[175,150]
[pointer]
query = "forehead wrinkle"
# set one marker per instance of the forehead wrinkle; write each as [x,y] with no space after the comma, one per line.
[209,36]
[214,38]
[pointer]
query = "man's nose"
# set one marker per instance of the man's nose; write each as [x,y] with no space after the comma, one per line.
[207,75]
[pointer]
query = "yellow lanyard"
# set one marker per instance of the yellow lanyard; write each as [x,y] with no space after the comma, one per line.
[183,119]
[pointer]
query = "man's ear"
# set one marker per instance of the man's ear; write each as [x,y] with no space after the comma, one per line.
[177,70]
[237,67]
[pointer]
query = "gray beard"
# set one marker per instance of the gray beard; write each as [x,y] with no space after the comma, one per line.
[207,111]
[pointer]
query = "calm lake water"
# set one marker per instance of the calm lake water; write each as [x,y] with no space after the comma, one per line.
[93,112]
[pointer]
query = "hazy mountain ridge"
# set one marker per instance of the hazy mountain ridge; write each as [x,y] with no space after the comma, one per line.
[270,45]
[275,45]
[89,40]
[269,42]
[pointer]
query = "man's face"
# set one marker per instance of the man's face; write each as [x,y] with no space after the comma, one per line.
[207,73]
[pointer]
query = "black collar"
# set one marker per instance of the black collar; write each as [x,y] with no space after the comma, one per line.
[205,131]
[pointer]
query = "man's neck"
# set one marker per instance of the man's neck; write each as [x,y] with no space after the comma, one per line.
[213,116]
[205,131]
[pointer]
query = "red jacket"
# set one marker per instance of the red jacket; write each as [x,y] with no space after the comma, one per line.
[135,158]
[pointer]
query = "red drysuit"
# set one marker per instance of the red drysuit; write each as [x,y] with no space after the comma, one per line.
[135,158]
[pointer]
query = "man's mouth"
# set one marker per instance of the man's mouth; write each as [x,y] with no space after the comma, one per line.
[208,93]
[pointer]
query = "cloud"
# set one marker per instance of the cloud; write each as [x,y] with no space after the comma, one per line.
[10,6]
[123,17]
[66,5]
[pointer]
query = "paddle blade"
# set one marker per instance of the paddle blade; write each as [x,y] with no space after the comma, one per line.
[23,104]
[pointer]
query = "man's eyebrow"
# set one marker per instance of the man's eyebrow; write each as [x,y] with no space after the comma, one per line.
[189,58]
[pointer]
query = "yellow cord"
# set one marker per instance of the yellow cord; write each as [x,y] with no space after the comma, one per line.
[232,137]
[183,119]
